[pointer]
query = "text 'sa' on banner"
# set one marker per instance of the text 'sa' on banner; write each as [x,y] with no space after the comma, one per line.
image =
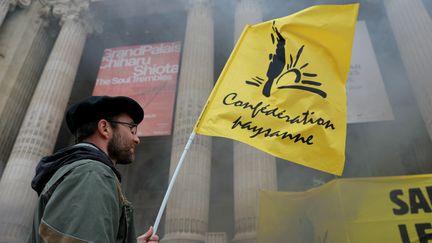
[283,88]
[395,209]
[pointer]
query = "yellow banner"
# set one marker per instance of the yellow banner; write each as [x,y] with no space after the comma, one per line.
[372,210]
[283,88]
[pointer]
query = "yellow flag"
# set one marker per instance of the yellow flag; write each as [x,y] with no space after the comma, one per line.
[372,210]
[283,87]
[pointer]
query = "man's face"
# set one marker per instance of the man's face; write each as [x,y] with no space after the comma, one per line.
[121,147]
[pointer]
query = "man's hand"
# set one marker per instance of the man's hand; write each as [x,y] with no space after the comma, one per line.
[148,237]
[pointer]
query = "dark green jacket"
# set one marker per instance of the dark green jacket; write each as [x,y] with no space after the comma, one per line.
[83,202]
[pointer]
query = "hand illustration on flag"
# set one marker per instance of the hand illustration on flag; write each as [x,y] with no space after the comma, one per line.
[277,65]
[283,88]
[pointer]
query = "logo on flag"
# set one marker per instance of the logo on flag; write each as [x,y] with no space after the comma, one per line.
[276,70]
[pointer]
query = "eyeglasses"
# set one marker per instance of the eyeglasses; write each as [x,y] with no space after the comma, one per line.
[132,126]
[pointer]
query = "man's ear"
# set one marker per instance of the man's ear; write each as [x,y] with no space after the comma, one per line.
[104,129]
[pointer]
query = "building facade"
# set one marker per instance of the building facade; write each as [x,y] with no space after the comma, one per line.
[50,52]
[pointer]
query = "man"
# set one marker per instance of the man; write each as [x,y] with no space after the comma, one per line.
[80,198]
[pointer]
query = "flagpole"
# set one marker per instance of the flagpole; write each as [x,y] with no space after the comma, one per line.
[171,184]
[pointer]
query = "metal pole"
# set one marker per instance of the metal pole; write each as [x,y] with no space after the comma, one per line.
[171,184]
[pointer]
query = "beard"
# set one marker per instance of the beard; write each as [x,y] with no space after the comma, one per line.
[120,150]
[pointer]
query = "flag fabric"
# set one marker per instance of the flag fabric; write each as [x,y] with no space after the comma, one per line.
[283,88]
[373,210]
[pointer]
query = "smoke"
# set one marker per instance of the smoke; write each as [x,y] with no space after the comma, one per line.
[379,148]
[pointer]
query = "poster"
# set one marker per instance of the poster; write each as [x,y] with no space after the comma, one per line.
[147,74]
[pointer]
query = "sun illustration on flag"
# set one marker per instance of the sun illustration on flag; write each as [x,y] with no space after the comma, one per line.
[276,70]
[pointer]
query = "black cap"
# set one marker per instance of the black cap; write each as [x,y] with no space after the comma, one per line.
[94,108]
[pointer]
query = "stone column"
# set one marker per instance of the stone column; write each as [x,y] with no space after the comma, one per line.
[6,5]
[253,169]
[412,29]
[188,207]
[39,130]
[25,43]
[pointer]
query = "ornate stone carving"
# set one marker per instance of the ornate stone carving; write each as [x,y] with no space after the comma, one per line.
[20,3]
[75,10]
[68,10]
[23,3]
